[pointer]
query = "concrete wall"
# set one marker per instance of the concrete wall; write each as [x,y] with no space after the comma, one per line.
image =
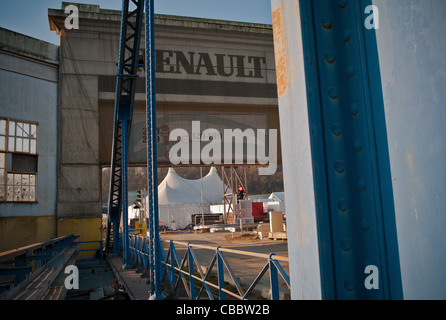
[84,55]
[29,92]
[16,232]
[411,46]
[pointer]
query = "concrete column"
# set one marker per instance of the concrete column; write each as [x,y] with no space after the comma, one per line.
[296,152]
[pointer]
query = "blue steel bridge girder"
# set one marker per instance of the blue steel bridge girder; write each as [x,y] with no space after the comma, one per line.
[127,74]
[352,181]
[155,248]
[131,32]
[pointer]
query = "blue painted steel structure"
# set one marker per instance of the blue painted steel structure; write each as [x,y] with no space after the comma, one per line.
[152,167]
[130,38]
[353,191]
[23,261]
[127,74]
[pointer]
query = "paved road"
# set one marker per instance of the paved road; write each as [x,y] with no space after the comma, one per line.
[216,239]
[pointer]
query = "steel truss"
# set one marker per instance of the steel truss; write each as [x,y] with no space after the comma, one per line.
[127,74]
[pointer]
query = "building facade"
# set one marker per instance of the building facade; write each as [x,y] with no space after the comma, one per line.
[218,73]
[29,96]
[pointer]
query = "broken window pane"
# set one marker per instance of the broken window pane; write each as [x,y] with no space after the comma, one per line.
[32,180]
[25,179]
[32,193]
[17,179]
[10,180]
[25,193]
[10,194]
[17,194]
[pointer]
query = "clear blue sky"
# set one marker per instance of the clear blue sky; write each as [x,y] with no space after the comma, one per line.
[30,17]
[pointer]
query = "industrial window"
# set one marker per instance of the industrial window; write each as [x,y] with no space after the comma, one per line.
[18,160]
[22,137]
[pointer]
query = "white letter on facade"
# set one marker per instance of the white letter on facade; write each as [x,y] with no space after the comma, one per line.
[72,21]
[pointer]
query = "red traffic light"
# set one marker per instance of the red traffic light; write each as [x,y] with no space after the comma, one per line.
[241,193]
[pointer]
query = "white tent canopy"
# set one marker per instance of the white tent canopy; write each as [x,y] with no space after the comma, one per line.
[180,198]
[178,190]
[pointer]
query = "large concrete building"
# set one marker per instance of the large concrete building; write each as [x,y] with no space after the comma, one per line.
[217,72]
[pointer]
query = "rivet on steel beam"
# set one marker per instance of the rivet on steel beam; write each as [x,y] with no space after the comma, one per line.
[347,35]
[339,166]
[362,184]
[357,145]
[365,224]
[349,285]
[346,244]
[343,205]
[333,93]
[354,109]
[327,24]
[343,3]
[351,71]
[336,129]
[330,58]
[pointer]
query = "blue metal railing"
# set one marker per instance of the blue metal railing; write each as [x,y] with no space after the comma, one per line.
[195,277]
[139,250]
[100,249]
